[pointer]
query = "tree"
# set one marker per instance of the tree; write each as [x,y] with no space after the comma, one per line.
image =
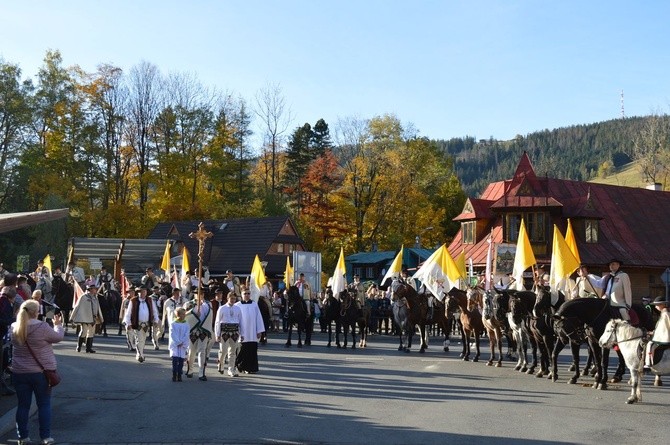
[276,118]
[651,148]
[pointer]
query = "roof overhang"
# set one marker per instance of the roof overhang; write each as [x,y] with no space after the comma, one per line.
[15,221]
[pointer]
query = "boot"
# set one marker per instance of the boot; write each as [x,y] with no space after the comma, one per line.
[80,341]
[174,376]
[89,345]
[179,377]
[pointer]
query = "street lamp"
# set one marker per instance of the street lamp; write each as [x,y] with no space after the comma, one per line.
[417,240]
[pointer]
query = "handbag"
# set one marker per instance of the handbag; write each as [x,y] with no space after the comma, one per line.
[53,378]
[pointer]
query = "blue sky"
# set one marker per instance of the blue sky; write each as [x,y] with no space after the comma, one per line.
[451,68]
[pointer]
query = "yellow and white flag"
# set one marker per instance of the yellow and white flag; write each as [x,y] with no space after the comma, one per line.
[185,266]
[257,279]
[563,261]
[395,268]
[524,257]
[47,264]
[165,264]
[571,241]
[288,274]
[433,274]
[339,280]
[460,264]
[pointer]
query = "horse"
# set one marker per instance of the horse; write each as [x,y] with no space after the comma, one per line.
[471,320]
[440,319]
[410,309]
[500,306]
[265,306]
[520,310]
[63,297]
[632,344]
[296,315]
[351,316]
[542,326]
[495,325]
[330,312]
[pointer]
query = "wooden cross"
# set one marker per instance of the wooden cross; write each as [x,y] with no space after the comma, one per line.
[201,235]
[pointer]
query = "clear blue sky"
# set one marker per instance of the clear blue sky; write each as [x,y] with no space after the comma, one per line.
[451,68]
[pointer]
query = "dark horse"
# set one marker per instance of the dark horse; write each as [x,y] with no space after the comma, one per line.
[519,313]
[296,313]
[439,318]
[351,316]
[330,312]
[410,309]
[265,306]
[471,321]
[63,297]
[542,326]
[587,318]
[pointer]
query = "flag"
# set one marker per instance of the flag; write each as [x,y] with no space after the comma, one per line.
[125,285]
[78,292]
[524,257]
[165,264]
[489,258]
[257,279]
[450,268]
[571,241]
[185,266]
[288,274]
[339,276]
[395,268]
[432,273]
[460,264]
[563,261]
[47,264]
[175,282]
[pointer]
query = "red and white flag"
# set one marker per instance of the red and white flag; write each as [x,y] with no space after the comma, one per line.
[78,292]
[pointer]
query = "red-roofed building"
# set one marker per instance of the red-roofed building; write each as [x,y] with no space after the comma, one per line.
[630,224]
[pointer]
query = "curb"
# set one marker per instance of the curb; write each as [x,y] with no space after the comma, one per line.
[8,420]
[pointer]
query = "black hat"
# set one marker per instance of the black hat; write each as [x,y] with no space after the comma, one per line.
[615,260]
[139,288]
[660,300]
[91,286]
[156,287]
[217,290]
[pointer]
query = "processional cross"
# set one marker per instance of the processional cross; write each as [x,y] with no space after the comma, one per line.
[201,235]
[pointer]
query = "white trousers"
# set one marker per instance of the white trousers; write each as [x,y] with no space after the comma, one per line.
[198,349]
[229,348]
[139,339]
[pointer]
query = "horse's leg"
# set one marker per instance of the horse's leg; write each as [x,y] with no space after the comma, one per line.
[621,368]
[466,344]
[423,334]
[478,335]
[500,351]
[330,333]
[533,349]
[300,327]
[290,331]
[635,368]
[353,335]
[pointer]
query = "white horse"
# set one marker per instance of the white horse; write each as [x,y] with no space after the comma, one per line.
[631,342]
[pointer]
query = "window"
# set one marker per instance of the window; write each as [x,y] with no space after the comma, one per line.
[535,223]
[357,271]
[469,232]
[291,248]
[280,248]
[591,230]
[370,272]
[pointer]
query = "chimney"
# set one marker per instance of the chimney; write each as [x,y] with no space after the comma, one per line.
[657,186]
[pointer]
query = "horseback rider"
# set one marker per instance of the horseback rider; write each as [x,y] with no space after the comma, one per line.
[617,289]
[661,337]
[149,280]
[305,293]
[358,287]
[586,284]
[104,281]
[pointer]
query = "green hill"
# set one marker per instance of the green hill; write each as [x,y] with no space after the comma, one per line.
[575,152]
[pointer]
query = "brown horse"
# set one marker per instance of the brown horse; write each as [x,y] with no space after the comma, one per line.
[351,316]
[471,320]
[493,323]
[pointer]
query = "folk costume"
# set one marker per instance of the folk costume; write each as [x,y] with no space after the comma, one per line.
[141,316]
[87,314]
[618,291]
[586,287]
[227,331]
[232,283]
[200,322]
[178,346]
[251,329]
[170,305]
[661,338]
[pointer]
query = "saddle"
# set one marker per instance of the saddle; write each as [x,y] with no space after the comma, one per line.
[658,353]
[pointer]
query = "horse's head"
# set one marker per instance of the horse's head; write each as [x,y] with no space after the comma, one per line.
[542,301]
[474,298]
[609,337]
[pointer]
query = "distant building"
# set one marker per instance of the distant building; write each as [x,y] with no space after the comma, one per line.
[631,224]
[371,266]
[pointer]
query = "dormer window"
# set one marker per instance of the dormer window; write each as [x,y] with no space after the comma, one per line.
[469,232]
[535,226]
[591,230]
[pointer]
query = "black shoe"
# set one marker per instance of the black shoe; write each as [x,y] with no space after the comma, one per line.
[203,378]
[179,377]
[189,375]
[174,377]
[89,345]
[80,342]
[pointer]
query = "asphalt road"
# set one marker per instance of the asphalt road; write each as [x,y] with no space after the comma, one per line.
[317,395]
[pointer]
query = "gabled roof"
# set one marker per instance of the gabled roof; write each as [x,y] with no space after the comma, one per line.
[235,242]
[475,209]
[633,222]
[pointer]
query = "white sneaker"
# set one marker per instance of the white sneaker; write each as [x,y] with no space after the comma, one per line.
[232,373]
[48,441]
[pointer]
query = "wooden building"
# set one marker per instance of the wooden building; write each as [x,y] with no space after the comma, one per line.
[630,224]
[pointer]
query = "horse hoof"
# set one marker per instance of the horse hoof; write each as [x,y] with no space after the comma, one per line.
[499,365]
[517,368]
[407,350]
[462,355]
[400,348]
[489,363]
[603,387]
[446,349]
[615,379]
[476,359]
[466,359]
[585,372]
[572,368]
[339,347]
[658,382]
[422,350]
[631,399]
[572,381]
[523,369]
[539,374]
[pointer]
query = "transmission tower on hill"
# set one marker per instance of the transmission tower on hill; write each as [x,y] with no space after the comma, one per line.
[623,115]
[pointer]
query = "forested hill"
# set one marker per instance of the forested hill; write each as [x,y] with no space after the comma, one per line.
[576,152]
